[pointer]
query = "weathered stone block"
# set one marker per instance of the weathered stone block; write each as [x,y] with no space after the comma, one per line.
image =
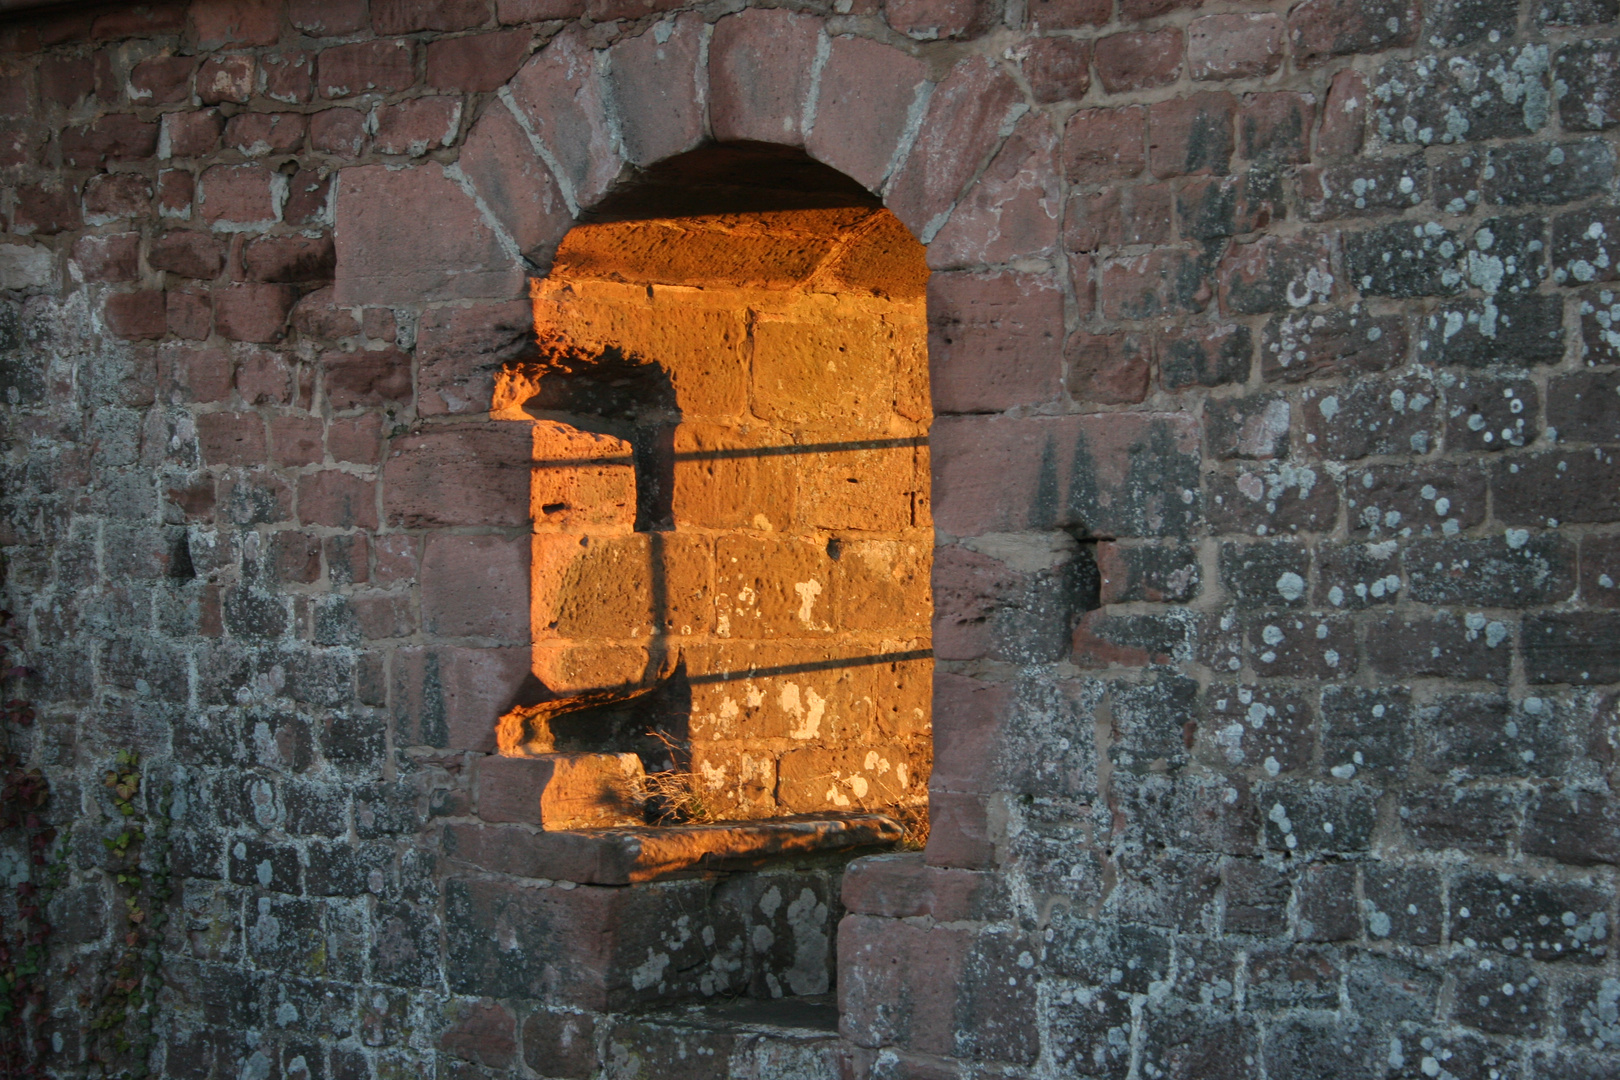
[561,791]
[414,235]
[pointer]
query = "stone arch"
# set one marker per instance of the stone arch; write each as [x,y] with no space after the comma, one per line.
[952,151]
[949,152]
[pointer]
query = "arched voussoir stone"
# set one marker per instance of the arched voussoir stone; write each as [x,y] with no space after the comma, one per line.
[659,89]
[1014,210]
[562,99]
[968,117]
[515,186]
[871,101]
[763,67]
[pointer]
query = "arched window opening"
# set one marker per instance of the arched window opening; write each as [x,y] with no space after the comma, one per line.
[732,545]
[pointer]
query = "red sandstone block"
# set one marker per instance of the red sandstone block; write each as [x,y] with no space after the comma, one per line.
[1322,29]
[110,257]
[115,137]
[416,126]
[193,134]
[1191,135]
[339,499]
[398,556]
[445,697]
[654,84]
[288,76]
[511,12]
[356,439]
[1066,14]
[462,474]
[602,11]
[484,1033]
[378,324]
[1344,117]
[190,313]
[338,131]
[139,20]
[225,78]
[1164,281]
[231,438]
[187,253]
[476,586]
[904,886]
[187,373]
[162,80]
[1276,127]
[1276,274]
[327,18]
[348,559]
[412,236]
[868,90]
[14,95]
[45,209]
[960,132]
[289,259]
[317,317]
[994,340]
[881,1002]
[932,20]
[113,196]
[253,312]
[408,16]
[1100,145]
[241,195]
[264,377]
[372,377]
[308,199]
[135,316]
[176,189]
[382,66]
[959,830]
[1012,210]
[1109,369]
[1138,10]
[1117,216]
[217,23]
[257,134]
[759,74]
[968,717]
[560,791]
[459,349]
[516,185]
[1139,60]
[477,63]
[560,93]
[1058,69]
[296,440]
[1235,46]
[21,141]
[65,80]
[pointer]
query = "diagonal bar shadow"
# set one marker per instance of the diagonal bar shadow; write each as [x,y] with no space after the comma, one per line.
[815,665]
[753,452]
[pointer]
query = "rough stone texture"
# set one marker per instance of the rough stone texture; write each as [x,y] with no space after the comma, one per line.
[1275,351]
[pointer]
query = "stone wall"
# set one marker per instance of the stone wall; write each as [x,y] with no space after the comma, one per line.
[1295,320]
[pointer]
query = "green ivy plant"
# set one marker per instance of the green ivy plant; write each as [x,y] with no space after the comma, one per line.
[123,1008]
